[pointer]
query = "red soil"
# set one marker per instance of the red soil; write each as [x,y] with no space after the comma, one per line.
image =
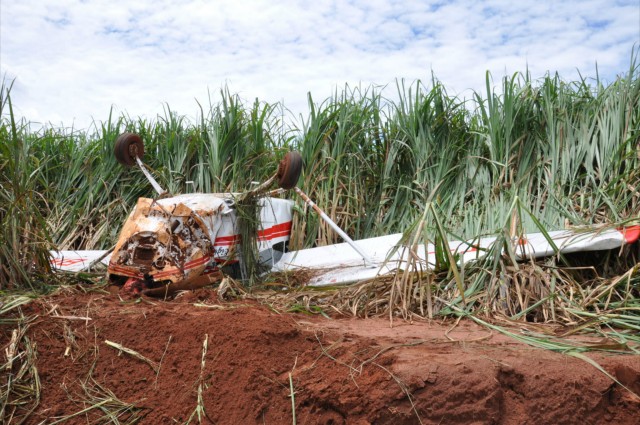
[343,371]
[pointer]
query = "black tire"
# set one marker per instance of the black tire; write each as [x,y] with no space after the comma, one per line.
[289,170]
[127,147]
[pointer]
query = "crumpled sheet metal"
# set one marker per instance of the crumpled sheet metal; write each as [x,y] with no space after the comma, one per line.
[169,239]
[176,238]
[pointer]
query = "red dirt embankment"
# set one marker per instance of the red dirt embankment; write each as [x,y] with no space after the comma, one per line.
[343,371]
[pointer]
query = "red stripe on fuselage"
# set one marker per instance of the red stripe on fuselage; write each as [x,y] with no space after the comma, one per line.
[277,231]
[188,265]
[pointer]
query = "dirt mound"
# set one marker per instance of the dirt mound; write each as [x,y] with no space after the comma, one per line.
[197,357]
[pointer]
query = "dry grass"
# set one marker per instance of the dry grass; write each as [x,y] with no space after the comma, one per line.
[100,406]
[19,380]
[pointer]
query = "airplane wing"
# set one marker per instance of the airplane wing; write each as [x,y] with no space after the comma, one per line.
[340,264]
[75,261]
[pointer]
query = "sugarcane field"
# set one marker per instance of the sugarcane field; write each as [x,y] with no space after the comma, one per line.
[415,259]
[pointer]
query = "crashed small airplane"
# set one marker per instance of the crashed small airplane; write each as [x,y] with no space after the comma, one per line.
[191,240]
[185,240]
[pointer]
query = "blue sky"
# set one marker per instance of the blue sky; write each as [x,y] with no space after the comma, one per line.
[73,60]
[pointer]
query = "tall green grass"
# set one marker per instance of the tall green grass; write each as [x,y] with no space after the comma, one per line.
[567,151]
[24,233]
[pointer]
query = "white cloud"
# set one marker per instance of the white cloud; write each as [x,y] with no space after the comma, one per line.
[74,59]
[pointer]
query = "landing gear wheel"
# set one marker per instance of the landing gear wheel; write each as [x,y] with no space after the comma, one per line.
[289,170]
[128,146]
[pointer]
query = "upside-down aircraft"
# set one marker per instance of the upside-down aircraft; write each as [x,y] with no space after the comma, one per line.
[191,240]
